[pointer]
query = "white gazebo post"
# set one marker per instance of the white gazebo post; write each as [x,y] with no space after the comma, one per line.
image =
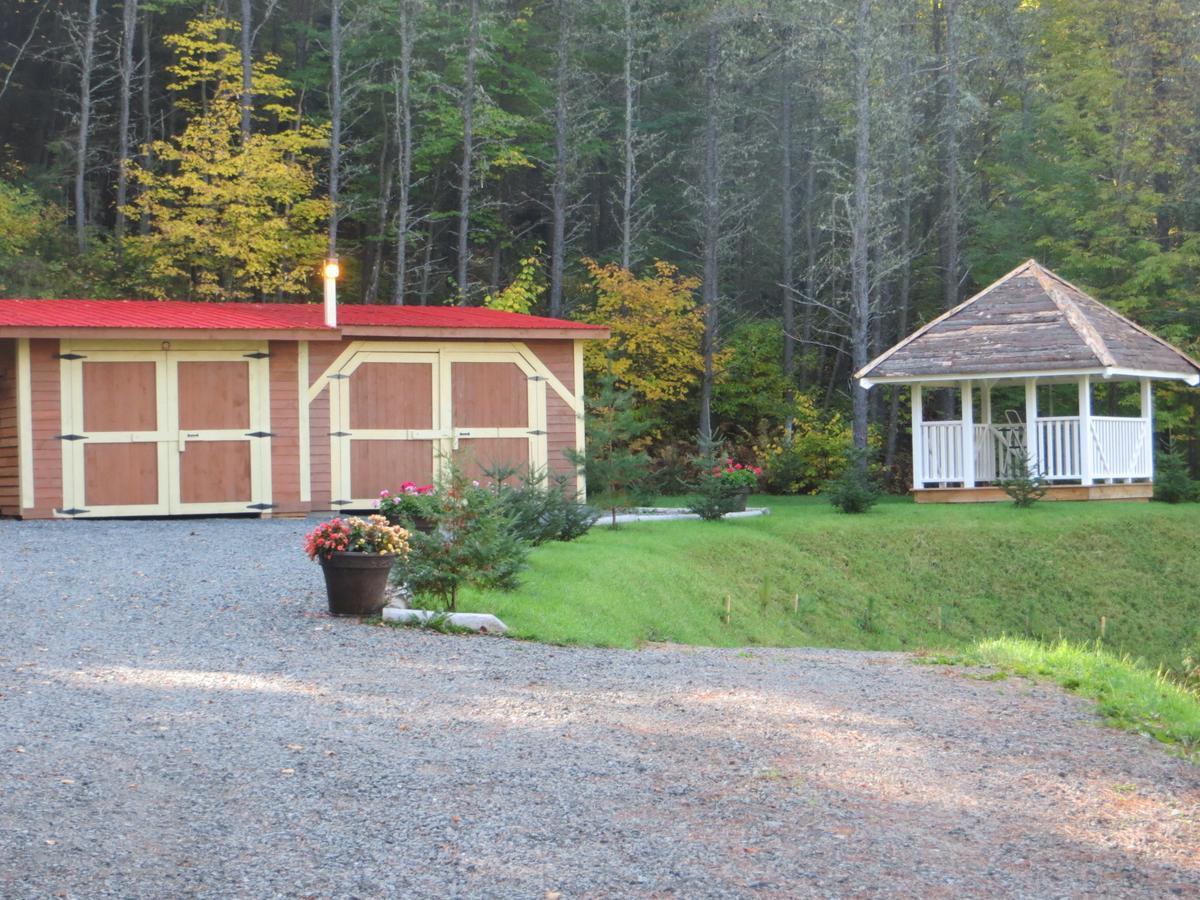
[1085,429]
[1032,456]
[918,443]
[968,433]
[1148,422]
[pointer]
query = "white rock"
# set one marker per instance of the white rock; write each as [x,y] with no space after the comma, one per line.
[485,623]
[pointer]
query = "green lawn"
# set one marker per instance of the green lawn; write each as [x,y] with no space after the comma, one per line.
[900,577]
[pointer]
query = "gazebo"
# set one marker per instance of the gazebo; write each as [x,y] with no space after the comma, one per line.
[1019,367]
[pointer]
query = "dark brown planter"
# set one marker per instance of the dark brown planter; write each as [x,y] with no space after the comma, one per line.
[738,498]
[356,582]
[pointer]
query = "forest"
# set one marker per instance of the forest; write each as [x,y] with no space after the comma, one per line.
[758,196]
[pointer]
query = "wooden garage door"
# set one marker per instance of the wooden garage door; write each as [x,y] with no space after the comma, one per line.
[388,429]
[115,444]
[153,432]
[218,460]
[498,411]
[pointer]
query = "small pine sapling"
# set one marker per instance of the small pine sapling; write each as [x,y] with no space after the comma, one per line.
[1172,481]
[853,491]
[1024,485]
[617,473]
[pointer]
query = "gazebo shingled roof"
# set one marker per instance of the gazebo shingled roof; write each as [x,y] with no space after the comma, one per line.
[1030,320]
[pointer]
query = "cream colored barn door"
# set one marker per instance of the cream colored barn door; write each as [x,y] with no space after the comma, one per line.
[164,432]
[497,406]
[388,424]
[220,460]
[115,428]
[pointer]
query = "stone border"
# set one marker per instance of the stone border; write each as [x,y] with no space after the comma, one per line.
[484,623]
[674,514]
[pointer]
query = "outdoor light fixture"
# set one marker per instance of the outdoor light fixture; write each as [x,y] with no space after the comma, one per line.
[331,271]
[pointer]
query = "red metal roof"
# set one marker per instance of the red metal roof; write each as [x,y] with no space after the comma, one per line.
[175,314]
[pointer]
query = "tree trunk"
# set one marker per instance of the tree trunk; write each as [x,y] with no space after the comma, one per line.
[559,191]
[147,121]
[464,186]
[383,202]
[247,68]
[810,250]
[335,118]
[787,241]
[404,145]
[952,276]
[904,238]
[860,229]
[85,115]
[712,228]
[629,160]
[128,33]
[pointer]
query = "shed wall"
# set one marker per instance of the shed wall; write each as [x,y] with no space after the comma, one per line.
[10,466]
[285,428]
[46,407]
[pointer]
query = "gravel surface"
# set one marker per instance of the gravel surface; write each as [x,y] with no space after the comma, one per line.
[178,717]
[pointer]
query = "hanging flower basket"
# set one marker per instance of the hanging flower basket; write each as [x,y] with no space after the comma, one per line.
[356,556]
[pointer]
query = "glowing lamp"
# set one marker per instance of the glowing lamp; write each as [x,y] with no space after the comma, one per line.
[332,269]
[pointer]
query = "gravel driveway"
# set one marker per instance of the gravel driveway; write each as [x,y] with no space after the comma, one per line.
[178,717]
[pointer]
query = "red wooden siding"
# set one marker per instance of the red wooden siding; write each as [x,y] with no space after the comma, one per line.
[285,426]
[47,424]
[10,467]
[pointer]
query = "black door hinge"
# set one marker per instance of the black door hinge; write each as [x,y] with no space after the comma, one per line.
[339,434]
[261,506]
[338,375]
[257,354]
[71,512]
[70,437]
[260,434]
[536,431]
[340,502]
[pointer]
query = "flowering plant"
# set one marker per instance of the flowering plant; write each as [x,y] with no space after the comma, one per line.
[374,534]
[735,475]
[412,505]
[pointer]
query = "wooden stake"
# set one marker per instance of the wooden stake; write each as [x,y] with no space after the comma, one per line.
[728,607]
[795,603]
[1103,626]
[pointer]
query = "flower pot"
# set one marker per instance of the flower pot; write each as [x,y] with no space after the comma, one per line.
[737,499]
[356,582]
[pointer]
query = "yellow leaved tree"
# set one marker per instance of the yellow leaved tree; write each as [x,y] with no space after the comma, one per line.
[657,327]
[525,289]
[228,219]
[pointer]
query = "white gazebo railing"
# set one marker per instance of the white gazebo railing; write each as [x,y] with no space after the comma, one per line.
[1120,449]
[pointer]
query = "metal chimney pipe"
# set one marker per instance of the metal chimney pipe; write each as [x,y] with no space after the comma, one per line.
[331,272]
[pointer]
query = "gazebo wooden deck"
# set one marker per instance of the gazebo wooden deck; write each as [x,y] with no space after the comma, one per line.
[1029,334]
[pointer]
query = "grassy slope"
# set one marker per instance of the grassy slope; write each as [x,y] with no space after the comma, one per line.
[990,569]
[1130,696]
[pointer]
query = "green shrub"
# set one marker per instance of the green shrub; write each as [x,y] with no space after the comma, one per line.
[853,491]
[540,509]
[814,453]
[471,543]
[1172,481]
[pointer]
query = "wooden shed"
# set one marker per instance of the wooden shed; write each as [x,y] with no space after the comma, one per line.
[149,408]
[1028,335]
